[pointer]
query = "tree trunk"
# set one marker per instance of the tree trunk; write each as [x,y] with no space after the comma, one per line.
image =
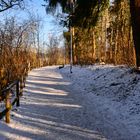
[116,47]
[135,19]
[74,46]
[93,44]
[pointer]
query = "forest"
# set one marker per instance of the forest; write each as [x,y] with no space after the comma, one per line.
[102,32]
[70,72]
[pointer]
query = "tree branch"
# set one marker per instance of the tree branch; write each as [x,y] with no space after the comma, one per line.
[6,4]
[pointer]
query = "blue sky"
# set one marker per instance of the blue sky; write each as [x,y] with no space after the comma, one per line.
[50,24]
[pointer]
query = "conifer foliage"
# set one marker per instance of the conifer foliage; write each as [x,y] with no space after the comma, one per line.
[103,30]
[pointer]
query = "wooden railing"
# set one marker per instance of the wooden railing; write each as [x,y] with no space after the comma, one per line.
[10,96]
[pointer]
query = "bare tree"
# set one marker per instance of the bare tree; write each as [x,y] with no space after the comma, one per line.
[7,4]
[53,51]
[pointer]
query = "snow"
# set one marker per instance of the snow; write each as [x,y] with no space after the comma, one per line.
[94,102]
[115,88]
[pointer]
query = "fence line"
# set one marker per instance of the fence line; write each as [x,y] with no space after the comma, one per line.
[7,98]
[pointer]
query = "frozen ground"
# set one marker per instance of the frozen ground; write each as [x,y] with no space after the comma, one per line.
[100,102]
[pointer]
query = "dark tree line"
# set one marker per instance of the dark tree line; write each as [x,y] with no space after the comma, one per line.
[135,19]
[85,15]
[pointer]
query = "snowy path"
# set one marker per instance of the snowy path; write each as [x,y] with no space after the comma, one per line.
[52,108]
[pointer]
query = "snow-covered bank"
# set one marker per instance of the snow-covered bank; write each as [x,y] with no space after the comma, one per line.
[115,88]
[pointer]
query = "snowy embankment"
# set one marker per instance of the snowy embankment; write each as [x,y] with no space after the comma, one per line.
[100,102]
[115,88]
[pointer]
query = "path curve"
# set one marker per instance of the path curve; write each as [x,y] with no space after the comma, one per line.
[53,109]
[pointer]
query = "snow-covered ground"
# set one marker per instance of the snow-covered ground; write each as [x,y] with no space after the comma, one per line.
[100,102]
[117,88]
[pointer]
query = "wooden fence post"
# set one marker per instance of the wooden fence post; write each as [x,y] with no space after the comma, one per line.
[8,107]
[17,94]
[21,85]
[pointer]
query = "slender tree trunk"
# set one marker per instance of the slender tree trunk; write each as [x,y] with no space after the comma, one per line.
[135,19]
[74,46]
[111,47]
[93,44]
[116,47]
